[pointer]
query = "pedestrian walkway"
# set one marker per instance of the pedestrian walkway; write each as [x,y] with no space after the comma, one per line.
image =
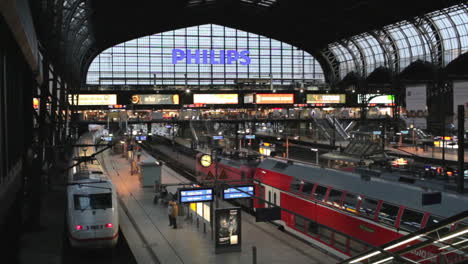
[433,154]
[145,225]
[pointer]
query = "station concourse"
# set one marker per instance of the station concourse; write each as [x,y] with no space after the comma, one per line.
[270,131]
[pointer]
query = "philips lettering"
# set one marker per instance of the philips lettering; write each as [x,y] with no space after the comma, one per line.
[210,56]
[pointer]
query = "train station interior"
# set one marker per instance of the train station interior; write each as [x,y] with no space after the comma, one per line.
[233,131]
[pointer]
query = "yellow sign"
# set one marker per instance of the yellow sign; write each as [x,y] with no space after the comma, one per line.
[93,99]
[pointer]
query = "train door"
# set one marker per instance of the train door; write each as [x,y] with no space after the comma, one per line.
[272,195]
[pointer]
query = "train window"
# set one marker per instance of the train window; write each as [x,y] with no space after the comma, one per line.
[299,223]
[388,213]
[274,198]
[93,201]
[350,202]
[320,192]
[339,241]
[334,198]
[325,234]
[296,185]
[368,207]
[356,247]
[411,220]
[307,188]
[312,228]
[261,202]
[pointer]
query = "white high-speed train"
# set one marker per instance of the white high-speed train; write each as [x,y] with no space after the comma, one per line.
[92,207]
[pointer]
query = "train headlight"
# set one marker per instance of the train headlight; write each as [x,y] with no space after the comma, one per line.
[109,225]
[79,227]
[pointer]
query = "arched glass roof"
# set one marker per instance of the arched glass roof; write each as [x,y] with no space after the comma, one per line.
[438,37]
[149,60]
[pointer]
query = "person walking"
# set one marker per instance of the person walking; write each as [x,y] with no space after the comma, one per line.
[173,211]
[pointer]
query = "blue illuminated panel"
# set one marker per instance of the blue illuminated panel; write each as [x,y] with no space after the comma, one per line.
[235,193]
[249,136]
[195,195]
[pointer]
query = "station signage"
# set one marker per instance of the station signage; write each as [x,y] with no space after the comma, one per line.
[218,137]
[197,56]
[140,138]
[215,98]
[249,136]
[156,99]
[195,195]
[377,99]
[246,191]
[93,99]
[326,98]
[274,98]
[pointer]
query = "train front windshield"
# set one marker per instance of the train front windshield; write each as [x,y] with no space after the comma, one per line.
[93,201]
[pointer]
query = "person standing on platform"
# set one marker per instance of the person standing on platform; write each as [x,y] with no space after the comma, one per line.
[138,152]
[173,211]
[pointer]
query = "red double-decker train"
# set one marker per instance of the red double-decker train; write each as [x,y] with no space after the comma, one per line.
[336,210]
[345,212]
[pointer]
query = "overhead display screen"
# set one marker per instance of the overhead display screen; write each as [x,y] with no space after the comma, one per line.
[215,98]
[195,195]
[377,99]
[238,192]
[93,99]
[275,98]
[326,98]
[156,99]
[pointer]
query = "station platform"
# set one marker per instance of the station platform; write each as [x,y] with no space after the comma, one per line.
[450,154]
[146,228]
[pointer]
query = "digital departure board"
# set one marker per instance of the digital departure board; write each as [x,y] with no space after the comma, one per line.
[245,191]
[195,195]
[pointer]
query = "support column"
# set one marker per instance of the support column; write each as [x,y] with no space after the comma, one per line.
[461,149]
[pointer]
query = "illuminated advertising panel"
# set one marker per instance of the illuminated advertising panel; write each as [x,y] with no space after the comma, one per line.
[36,102]
[94,99]
[326,98]
[275,98]
[228,235]
[377,99]
[215,99]
[155,99]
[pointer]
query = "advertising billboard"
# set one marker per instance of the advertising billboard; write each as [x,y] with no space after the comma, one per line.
[416,105]
[228,230]
[94,99]
[156,99]
[275,98]
[376,99]
[460,97]
[326,98]
[195,195]
[236,192]
[215,98]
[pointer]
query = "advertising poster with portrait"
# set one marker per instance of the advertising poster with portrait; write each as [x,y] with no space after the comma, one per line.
[228,230]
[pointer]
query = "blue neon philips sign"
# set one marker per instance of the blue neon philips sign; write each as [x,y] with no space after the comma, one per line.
[210,56]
